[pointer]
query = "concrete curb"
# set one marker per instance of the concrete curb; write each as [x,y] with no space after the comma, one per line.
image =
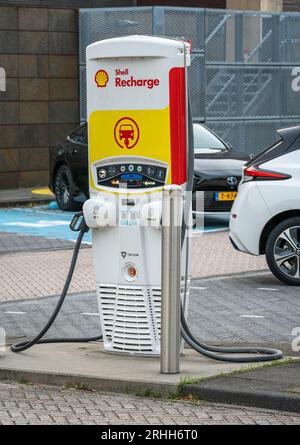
[25,202]
[256,399]
[101,384]
[87,365]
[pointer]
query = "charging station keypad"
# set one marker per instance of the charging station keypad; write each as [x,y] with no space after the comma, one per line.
[131,175]
[129,212]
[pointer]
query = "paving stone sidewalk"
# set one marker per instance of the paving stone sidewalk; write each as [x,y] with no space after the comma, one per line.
[27,275]
[34,405]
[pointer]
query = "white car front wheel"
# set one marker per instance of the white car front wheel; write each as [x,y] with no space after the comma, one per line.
[283,251]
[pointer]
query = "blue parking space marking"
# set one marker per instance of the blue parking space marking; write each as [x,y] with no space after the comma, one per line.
[39,221]
[54,224]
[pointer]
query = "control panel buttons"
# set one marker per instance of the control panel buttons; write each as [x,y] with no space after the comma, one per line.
[131,175]
[112,170]
[150,171]
[160,174]
[102,173]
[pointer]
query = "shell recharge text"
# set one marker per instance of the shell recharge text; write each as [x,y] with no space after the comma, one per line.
[132,82]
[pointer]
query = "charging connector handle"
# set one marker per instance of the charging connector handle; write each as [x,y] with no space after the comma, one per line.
[75,227]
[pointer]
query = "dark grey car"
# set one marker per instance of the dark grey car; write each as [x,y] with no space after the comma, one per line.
[218,170]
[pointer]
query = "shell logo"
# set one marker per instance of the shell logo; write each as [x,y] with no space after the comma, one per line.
[101,78]
[126,133]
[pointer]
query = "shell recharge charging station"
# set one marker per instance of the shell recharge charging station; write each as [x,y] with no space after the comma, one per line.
[140,151]
[138,143]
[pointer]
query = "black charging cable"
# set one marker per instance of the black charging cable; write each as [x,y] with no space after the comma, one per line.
[78,224]
[259,354]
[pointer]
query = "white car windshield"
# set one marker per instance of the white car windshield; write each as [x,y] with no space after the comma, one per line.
[206,142]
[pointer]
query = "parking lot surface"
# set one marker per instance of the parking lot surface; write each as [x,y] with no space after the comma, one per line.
[30,272]
[234,300]
[252,310]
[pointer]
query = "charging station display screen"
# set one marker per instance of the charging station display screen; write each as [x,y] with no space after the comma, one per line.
[131,176]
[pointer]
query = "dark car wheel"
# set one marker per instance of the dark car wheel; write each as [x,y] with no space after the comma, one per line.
[64,189]
[283,251]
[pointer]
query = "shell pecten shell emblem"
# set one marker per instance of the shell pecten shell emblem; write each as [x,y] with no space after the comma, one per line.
[101,78]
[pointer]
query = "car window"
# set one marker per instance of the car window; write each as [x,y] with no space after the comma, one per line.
[205,141]
[79,136]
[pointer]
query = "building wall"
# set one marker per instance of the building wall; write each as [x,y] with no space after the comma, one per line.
[291,5]
[256,5]
[39,52]
[220,4]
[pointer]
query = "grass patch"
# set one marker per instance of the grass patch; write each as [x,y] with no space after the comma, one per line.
[255,367]
[24,381]
[149,393]
[77,386]
[293,391]
[178,395]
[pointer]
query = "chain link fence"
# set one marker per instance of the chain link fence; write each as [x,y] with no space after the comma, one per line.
[245,73]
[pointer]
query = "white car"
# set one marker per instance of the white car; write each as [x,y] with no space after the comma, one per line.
[265,218]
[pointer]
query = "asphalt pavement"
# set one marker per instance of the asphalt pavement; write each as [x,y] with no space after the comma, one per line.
[249,309]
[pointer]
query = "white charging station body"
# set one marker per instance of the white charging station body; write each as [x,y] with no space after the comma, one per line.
[137,124]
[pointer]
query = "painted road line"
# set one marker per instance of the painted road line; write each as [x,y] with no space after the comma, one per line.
[270,289]
[42,191]
[252,316]
[199,232]
[40,223]
[15,313]
[232,276]
[90,313]
[198,288]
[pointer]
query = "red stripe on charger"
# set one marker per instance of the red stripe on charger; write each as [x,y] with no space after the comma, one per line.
[178,125]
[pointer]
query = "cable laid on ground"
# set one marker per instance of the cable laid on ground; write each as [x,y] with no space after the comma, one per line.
[217,353]
[214,352]
[26,344]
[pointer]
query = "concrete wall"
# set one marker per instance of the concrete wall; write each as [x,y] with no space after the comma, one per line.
[256,5]
[39,52]
[220,4]
[265,5]
[291,5]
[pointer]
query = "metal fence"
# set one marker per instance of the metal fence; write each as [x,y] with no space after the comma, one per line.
[245,74]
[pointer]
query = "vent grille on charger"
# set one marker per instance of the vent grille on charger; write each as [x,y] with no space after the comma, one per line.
[129,318]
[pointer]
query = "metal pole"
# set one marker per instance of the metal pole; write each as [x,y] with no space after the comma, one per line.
[170,279]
